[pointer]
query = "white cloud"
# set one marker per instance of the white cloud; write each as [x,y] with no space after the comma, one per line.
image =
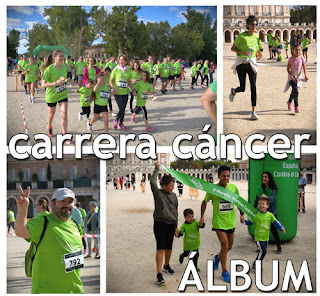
[97,41]
[181,17]
[202,10]
[30,24]
[40,10]
[173,8]
[13,23]
[22,46]
[145,21]
[22,9]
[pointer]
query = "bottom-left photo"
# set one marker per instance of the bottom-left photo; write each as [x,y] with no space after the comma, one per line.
[53,218]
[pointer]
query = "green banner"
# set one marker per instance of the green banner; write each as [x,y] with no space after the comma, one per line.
[219,191]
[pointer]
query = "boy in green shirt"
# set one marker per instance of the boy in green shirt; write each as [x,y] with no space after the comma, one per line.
[305,42]
[262,223]
[85,92]
[191,240]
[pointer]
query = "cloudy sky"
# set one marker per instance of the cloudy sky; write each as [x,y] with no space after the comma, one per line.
[23,17]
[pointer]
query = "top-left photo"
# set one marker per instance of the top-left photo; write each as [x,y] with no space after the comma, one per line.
[111,70]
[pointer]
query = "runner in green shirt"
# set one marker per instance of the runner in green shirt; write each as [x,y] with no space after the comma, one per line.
[85,101]
[10,219]
[193,74]
[177,75]
[143,88]
[148,66]
[21,65]
[54,81]
[191,239]
[262,224]
[31,71]
[305,42]
[287,47]
[164,70]
[112,63]
[53,271]
[205,72]
[223,220]
[42,207]
[79,66]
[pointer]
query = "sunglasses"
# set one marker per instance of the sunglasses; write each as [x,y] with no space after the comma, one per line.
[254,24]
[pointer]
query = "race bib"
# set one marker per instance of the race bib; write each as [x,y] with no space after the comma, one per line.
[144,97]
[173,68]
[134,83]
[104,94]
[87,99]
[60,89]
[73,261]
[225,206]
[152,69]
[166,67]
[123,84]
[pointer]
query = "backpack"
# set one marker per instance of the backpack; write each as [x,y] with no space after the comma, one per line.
[31,253]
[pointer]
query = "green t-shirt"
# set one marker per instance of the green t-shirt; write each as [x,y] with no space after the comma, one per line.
[83,214]
[205,70]
[111,65]
[80,67]
[31,75]
[270,37]
[148,67]
[92,74]
[141,87]
[134,75]
[103,65]
[48,270]
[193,71]
[55,93]
[305,43]
[45,213]
[121,80]
[178,67]
[22,64]
[287,45]
[69,64]
[103,94]
[11,216]
[164,69]
[156,68]
[85,96]
[262,223]
[224,215]
[199,67]
[191,239]
[173,68]
[213,86]
[244,43]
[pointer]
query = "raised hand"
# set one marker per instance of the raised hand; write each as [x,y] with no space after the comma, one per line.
[23,199]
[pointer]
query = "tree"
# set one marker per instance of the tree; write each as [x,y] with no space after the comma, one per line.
[71,27]
[13,43]
[159,38]
[303,14]
[120,30]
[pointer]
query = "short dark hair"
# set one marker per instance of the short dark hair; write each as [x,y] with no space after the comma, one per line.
[251,19]
[89,80]
[78,204]
[265,199]
[187,212]
[223,168]
[167,179]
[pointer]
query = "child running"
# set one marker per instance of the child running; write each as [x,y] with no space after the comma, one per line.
[193,74]
[107,72]
[143,89]
[85,102]
[191,240]
[262,223]
[31,70]
[295,64]
[100,96]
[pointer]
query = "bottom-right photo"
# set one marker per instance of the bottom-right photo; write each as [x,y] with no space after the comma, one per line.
[211,225]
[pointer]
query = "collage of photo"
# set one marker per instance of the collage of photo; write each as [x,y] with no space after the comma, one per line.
[124,84]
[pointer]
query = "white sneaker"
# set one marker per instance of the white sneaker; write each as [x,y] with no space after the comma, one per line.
[80,116]
[113,114]
[32,99]
[254,115]
[232,95]
[89,126]
[154,98]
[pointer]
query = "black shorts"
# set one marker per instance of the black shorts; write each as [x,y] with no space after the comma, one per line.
[177,75]
[164,79]
[164,234]
[305,49]
[55,104]
[99,109]
[232,230]
[69,75]
[151,80]
[171,77]
[270,46]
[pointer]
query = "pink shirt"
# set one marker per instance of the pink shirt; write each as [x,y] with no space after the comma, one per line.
[296,65]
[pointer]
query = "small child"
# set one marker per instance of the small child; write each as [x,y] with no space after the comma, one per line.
[165,218]
[107,72]
[193,74]
[143,89]
[191,240]
[305,42]
[85,102]
[262,223]
[287,46]
[295,64]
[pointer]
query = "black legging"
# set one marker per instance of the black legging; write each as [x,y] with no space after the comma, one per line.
[85,111]
[194,80]
[110,104]
[131,100]
[199,73]
[242,70]
[122,101]
[294,93]
[195,258]
[205,77]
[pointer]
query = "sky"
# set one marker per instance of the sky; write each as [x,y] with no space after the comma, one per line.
[23,17]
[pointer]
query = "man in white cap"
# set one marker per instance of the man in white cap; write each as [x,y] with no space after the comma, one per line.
[57,263]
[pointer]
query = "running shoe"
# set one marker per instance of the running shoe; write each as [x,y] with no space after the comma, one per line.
[232,95]
[166,90]
[80,116]
[32,99]
[279,250]
[25,92]
[163,92]
[296,109]
[181,88]
[192,87]
[113,114]
[181,258]
[89,126]
[132,119]
[122,126]
[154,98]
[167,269]
[50,133]
[254,115]
[68,142]
[160,279]
[115,124]
[226,276]
[216,262]
[289,106]
[149,128]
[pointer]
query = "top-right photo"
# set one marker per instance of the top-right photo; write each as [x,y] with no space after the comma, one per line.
[270,70]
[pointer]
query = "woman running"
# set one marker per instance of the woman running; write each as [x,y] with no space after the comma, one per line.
[31,70]
[90,71]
